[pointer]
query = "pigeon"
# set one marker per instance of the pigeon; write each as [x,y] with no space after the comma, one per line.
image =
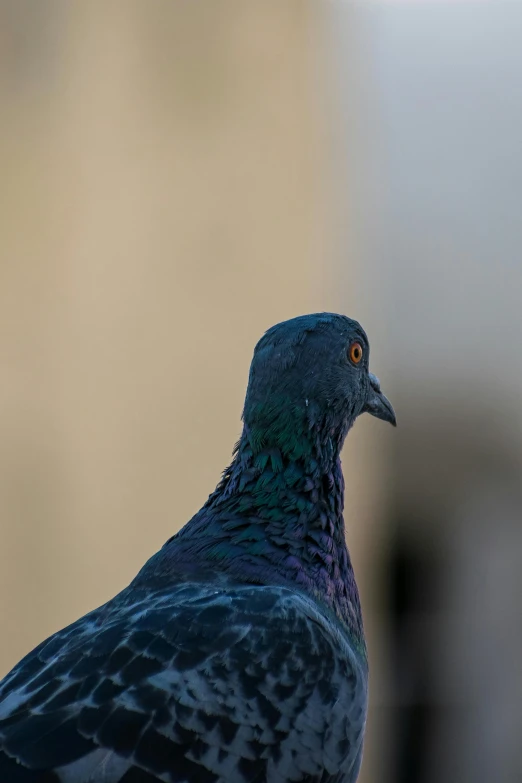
[237,654]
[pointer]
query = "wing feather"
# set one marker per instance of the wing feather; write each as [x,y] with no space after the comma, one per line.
[189,683]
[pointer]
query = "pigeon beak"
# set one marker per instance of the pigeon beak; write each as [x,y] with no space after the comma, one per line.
[377,404]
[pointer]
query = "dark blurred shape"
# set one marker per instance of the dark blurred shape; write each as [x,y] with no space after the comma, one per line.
[453,600]
[414,582]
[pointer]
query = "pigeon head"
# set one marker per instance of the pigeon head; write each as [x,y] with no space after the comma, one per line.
[309,380]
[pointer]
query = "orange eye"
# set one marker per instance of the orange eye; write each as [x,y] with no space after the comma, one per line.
[355,352]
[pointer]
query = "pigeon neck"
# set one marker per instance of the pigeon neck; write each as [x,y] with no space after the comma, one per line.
[282,517]
[284,448]
[298,429]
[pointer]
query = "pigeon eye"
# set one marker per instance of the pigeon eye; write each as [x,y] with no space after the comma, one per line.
[355,352]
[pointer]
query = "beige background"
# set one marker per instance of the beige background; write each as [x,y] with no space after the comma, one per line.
[164,202]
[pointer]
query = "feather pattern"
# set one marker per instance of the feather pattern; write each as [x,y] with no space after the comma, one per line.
[187,683]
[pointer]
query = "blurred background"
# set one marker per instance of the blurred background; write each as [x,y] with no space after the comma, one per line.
[177,177]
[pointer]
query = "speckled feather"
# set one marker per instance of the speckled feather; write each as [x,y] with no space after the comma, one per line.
[237,654]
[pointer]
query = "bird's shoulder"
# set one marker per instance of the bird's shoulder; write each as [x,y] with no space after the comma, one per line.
[203,673]
[179,613]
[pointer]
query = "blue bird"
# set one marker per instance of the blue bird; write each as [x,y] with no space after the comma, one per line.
[237,654]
